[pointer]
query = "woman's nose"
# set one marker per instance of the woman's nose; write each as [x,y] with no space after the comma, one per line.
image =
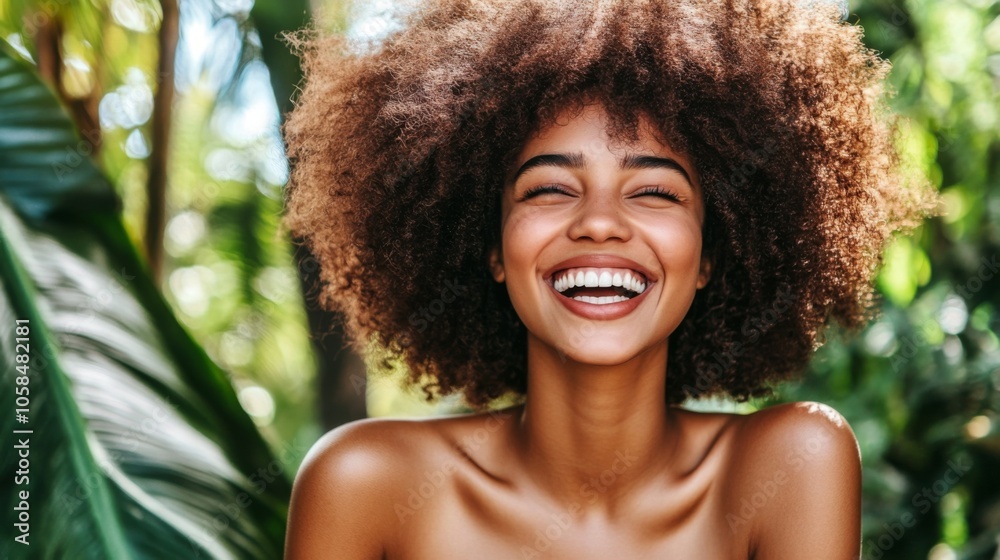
[599,219]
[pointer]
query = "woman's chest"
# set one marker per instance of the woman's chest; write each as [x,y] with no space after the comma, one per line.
[462,521]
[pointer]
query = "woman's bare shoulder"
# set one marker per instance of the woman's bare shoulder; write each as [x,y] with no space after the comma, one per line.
[365,447]
[796,470]
[798,424]
[343,493]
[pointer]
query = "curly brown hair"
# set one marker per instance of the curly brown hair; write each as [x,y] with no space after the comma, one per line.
[399,152]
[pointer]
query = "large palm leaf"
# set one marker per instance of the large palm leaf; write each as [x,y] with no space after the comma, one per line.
[139,448]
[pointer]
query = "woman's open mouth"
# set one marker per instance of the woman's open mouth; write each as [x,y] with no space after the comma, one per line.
[599,286]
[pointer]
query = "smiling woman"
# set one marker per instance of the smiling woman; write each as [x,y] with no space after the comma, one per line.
[629,219]
[629,190]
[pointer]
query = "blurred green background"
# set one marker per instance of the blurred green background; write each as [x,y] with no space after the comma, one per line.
[149,206]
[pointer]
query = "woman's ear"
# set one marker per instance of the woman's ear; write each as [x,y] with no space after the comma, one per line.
[705,272]
[496,265]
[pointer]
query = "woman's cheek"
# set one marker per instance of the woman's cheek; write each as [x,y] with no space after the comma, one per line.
[681,242]
[526,231]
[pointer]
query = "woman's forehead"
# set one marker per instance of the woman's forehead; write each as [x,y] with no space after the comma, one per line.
[586,134]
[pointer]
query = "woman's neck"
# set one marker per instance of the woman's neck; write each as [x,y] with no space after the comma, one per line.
[588,434]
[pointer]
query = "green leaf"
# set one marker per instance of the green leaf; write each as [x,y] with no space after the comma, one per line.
[906,268]
[39,145]
[139,447]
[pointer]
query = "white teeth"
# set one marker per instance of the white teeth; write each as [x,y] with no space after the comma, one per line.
[599,278]
[604,300]
[634,284]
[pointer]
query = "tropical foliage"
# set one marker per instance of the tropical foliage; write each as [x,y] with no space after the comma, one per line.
[131,442]
[921,386]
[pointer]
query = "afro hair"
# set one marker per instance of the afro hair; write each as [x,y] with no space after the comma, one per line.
[399,149]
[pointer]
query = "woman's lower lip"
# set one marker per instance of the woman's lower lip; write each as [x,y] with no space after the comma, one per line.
[602,312]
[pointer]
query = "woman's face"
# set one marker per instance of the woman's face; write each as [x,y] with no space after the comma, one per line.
[601,243]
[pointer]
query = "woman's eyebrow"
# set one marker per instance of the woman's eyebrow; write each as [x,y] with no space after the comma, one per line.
[576,160]
[573,161]
[633,161]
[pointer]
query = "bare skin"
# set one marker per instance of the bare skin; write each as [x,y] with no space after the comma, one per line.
[594,464]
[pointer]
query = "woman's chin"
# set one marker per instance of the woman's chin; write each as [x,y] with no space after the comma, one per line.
[602,353]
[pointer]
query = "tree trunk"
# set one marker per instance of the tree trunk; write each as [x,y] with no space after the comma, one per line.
[156,187]
[340,377]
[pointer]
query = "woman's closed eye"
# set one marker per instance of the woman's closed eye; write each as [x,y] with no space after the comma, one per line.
[542,189]
[659,192]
